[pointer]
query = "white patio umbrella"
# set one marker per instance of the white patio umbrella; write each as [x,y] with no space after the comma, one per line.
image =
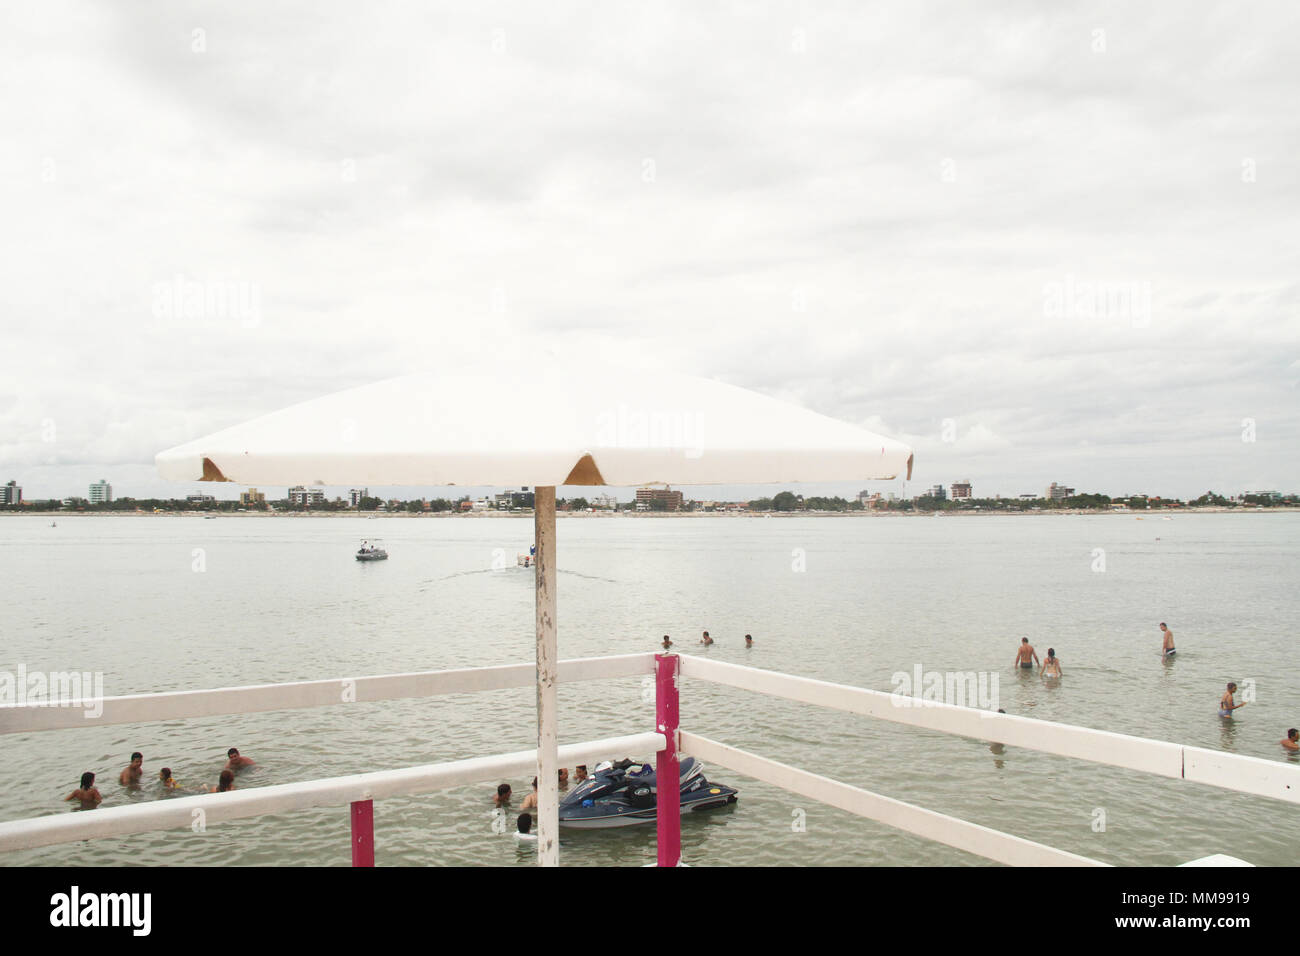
[540,424]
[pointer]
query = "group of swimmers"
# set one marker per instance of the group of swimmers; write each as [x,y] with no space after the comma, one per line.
[1050,667]
[524,822]
[89,796]
[705,640]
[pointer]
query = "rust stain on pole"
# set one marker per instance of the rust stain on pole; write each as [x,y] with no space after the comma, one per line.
[548,797]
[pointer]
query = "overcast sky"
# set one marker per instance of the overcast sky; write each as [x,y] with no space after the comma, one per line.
[1037,242]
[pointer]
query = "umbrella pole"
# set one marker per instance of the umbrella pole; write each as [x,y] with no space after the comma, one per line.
[548,797]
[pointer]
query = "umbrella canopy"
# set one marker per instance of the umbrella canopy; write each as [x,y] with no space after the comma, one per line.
[542,423]
[548,423]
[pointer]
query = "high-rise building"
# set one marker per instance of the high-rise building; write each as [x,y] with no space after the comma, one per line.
[960,489]
[646,496]
[356,494]
[101,492]
[302,496]
[11,494]
[1057,492]
[252,497]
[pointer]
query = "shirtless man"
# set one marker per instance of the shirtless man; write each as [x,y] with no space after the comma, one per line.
[1226,706]
[1167,649]
[130,777]
[706,639]
[1292,741]
[1026,656]
[236,762]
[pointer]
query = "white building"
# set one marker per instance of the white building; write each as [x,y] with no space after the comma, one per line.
[356,494]
[11,494]
[301,496]
[101,492]
[1057,492]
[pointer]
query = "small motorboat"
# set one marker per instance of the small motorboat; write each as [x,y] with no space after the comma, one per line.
[372,552]
[625,794]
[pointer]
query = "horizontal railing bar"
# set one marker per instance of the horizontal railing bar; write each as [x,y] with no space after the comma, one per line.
[258,698]
[1243,774]
[971,837]
[211,808]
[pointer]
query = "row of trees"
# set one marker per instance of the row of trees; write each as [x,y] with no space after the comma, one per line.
[783,501]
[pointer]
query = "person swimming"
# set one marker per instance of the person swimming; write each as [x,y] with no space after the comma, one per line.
[130,777]
[1292,741]
[166,779]
[524,827]
[1052,664]
[667,642]
[706,639]
[225,782]
[235,762]
[87,793]
[749,641]
[1026,656]
[530,801]
[1226,706]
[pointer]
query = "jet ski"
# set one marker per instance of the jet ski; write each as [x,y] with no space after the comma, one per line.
[625,794]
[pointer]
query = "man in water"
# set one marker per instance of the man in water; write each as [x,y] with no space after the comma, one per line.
[667,642]
[580,773]
[1292,741]
[564,778]
[236,762]
[130,777]
[530,801]
[1168,646]
[706,639]
[1026,656]
[502,796]
[1226,706]
[749,641]
[524,826]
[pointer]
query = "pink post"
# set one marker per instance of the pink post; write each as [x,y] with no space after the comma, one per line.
[669,815]
[363,833]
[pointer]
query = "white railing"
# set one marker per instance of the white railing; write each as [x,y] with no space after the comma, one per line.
[971,837]
[1228,771]
[1253,775]
[332,792]
[257,698]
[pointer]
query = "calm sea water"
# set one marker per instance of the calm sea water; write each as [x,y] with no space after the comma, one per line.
[282,599]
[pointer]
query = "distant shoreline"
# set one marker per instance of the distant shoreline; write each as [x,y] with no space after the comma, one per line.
[1153,513]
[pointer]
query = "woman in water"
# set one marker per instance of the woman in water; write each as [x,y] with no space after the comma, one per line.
[1051,664]
[1226,706]
[225,782]
[87,793]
